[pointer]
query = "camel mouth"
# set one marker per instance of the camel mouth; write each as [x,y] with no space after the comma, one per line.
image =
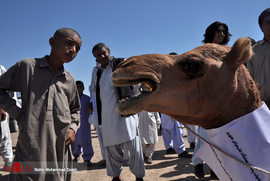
[147,86]
[146,89]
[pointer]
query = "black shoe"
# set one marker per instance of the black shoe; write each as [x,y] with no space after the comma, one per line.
[139,179]
[192,145]
[198,171]
[213,175]
[87,162]
[117,179]
[170,151]
[102,163]
[185,154]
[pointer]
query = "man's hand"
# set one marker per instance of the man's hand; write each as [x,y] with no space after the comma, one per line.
[3,115]
[70,137]
[90,108]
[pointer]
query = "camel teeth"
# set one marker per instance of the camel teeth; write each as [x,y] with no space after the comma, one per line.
[149,88]
[127,98]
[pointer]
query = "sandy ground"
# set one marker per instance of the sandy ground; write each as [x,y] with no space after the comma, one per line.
[164,167]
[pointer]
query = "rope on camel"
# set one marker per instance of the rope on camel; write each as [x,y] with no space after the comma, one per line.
[240,161]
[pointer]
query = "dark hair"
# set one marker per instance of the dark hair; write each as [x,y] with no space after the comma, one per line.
[172,53]
[98,46]
[64,32]
[211,30]
[263,15]
[79,82]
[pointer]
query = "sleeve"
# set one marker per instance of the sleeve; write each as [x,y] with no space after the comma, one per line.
[91,89]
[250,66]
[139,117]
[75,107]
[158,119]
[92,85]
[10,81]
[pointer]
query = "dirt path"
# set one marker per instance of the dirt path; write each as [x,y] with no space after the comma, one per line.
[164,167]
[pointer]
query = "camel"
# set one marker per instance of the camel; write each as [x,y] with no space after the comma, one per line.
[208,86]
[202,86]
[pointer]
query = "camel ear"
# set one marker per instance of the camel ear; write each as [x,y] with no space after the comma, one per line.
[240,52]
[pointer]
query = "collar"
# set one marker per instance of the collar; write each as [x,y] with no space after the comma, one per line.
[44,63]
[110,62]
[263,41]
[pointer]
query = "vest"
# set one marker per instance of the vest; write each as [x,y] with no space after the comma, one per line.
[121,92]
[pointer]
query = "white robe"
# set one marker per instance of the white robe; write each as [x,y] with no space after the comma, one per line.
[5,138]
[115,129]
[93,118]
[247,139]
[148,125]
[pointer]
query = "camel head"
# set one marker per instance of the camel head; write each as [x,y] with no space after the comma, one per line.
[208,86]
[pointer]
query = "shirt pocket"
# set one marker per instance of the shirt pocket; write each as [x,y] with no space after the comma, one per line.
[62,117]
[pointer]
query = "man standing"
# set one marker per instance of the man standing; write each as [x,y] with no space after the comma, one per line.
[50,113]
[83,140]
[259,65]
[120,133]
[5,138]
[149,123]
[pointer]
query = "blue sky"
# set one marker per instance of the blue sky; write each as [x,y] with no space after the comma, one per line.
[128,27]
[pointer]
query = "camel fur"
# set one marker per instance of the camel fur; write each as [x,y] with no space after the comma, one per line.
[208,86]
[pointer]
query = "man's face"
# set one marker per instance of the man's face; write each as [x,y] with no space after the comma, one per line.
[80,89]
[67,48]
[265,27]
[103,56]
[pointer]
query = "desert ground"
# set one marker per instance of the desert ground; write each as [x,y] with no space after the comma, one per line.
[165,167]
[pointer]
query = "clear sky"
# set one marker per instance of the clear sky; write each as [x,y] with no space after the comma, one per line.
[128,27]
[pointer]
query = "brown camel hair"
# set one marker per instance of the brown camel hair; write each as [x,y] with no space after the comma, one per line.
[208,86]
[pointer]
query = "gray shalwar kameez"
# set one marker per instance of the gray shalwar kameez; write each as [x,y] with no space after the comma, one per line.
[50,106]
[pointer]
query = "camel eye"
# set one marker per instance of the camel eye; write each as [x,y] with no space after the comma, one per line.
[192,67]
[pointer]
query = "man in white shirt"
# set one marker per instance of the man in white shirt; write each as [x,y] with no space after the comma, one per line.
[120,133]
[5,139]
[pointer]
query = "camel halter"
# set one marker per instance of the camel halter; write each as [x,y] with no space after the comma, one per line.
[236,159]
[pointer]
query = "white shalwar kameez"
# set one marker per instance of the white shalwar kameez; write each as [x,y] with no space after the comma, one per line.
[93,118]
[120,134]
[247,139]
[5,138]
[149,123]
